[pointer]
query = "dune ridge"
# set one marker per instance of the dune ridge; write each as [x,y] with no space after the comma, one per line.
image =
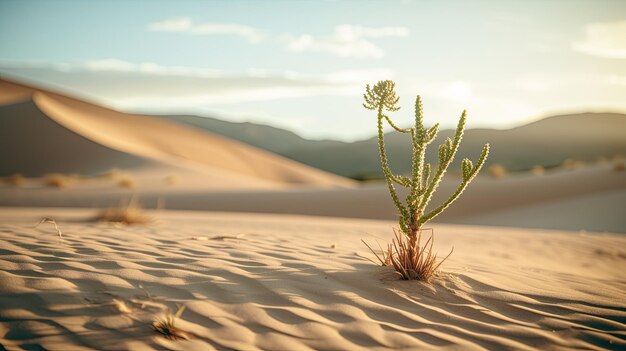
[294,282]
[157,140]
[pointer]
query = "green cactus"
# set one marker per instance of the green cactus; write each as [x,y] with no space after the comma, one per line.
[413,215]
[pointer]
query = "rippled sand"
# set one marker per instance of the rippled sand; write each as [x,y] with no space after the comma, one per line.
[296,283]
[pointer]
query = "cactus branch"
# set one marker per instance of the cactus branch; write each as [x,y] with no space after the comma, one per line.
[382,97]
[466,180]
[401,130]
[446,156]
[389,176]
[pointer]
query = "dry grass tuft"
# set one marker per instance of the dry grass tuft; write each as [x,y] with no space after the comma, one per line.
[171,180]
[58,180]
[127,182]
[497,171]
[537,170]
[16,179]
[572,165]
[124,214]
[166,326]
[410,260]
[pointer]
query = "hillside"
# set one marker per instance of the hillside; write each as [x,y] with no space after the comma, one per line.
[547,142]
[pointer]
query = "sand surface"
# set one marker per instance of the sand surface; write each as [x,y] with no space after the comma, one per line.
[253,282]
[589,199]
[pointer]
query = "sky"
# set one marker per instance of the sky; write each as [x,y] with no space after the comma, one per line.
[303,65]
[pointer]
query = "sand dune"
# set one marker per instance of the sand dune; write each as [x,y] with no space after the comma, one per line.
[11,93]
[33,144]
[301,283]
[586,199]
[134,136]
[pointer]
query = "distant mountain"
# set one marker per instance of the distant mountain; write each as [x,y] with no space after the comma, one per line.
[270,138]
[548,142]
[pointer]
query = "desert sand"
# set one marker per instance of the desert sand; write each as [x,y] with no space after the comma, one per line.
[281,265]
[278,282]
[589,199]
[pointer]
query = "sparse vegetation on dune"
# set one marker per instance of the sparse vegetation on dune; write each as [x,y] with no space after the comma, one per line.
[128,214]
[408,257]
[122,179]
[58,180]
[126,182]
[572,164]
[171,180]
[537,170]
[166,326]
[16,179]
[497,171]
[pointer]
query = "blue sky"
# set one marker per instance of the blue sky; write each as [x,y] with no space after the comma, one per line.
[302,65]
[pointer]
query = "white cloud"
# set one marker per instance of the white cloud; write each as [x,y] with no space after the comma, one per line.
[346,41]
[186,25]
[229,97]
[115,65]
[147,85]
[607,39]
[360,76]
[172,25]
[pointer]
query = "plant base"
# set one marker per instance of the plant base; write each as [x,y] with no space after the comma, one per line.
[409,258]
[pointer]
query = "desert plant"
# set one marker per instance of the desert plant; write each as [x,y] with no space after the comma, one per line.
[167,326]
[130,213]
[126,182]
[16,179]
[58,180]
[537,170]
[497,171]
[424,179]
[572,164]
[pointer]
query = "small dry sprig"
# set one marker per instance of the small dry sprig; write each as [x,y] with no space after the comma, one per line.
[167,326]
[384,258]
[53,222]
